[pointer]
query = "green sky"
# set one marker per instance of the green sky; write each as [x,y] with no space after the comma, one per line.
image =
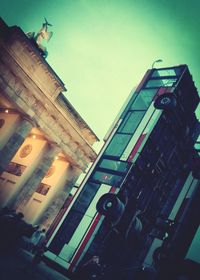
[102,48]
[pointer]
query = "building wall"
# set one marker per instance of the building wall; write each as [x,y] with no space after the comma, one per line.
[44,145]
[52,183]
[21,167]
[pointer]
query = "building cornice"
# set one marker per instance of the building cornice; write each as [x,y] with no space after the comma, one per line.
[29,82]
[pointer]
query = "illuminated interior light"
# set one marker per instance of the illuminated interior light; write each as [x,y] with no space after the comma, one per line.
[56,157]
[6,111]
[34,136]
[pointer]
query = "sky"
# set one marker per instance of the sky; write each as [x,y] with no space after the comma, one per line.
[102,48]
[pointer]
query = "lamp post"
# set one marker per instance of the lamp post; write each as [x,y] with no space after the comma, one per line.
[156,61]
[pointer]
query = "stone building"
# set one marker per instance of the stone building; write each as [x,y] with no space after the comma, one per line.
[44,143]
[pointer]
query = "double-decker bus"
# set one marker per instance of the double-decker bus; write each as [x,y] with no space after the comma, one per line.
[143,174]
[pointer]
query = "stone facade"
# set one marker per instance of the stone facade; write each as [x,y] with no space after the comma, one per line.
[44,143]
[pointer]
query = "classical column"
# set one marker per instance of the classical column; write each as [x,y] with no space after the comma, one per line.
[47,217]
[24,194]
[13,144]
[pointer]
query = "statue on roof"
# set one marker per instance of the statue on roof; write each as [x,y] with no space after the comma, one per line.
[42,34]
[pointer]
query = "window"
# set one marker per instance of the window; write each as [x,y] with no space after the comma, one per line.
[144,99]
[114,165]
[166,72]
[74,217]
[117,145]
[131,121]
[106,178]
[161,83]
[85,198]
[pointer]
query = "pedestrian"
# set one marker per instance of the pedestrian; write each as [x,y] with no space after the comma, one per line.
[38,239]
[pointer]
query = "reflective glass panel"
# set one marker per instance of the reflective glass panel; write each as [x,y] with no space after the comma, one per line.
[161,83]
[131,121]
[166,72]
[144,99]
[114,165]
[117,145]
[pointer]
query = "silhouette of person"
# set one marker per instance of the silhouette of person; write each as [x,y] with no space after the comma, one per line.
[38,239]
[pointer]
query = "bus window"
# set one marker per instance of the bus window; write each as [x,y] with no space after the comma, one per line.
[144,99]
[117,145]
[167,72]
[106,178]
[161,83]
[114,165]
[131,121]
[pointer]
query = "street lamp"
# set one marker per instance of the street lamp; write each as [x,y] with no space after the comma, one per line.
[156,61]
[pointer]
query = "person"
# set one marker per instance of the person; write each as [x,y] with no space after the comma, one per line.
[38,239]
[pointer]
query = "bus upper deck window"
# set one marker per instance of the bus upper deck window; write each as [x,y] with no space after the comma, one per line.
[167,72]
[144,99]
[165,82]
[114,165]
